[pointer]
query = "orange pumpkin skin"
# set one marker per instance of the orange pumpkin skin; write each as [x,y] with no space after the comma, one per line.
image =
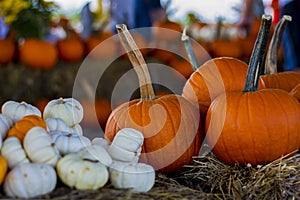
[167,31]
[229,48]
[103,110]
[182,66]
[213,78]
[38,54]
[3,169]
[21,127]
[70,50]
[7,51]
[166,147]
[283,80]
[295,92]
[41,104]
[253,127]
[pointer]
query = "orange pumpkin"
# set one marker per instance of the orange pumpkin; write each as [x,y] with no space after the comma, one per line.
[282,80]
[170,124]
[38,54]
[106,50]
[7,51]
[21,127]
[41,104]
[166,30]
[182,66]
[3,169]
[229,48]
[70,49]
[254,126]
[103,110]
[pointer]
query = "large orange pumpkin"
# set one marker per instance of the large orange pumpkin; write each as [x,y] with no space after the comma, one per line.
[7,51]
[21,127]
[254,126]
[282,80]
[38,54]
[170,124]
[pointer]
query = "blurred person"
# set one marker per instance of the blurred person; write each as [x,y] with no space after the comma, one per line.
[122,12]
[291,35]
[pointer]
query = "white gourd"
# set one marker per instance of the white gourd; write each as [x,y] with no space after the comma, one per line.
[76,128]
[68,109]
[40,147]
[69,142]
[29,180]
[13,152]
[126,145]
[101,141]
[138,177]
[57,124]
[99,153]
[5,124]
[82,171]
[16,111]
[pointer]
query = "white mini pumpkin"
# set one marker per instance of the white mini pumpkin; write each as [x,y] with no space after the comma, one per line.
[99,153]
[82,171]
[68,109]
[69,142]
[126,145]
[5,124]
[40,147]
[13,152]
[138,177]
[76,128]
[57,124]
[101,141]
[29,180]
[16,111]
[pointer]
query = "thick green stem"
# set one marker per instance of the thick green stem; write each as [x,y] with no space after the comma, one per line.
[257,55]
[189,50]
[137,60]
[271,58]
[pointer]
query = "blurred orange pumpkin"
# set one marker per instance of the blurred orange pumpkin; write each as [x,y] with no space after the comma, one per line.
[7,51]
[38,54]
[70,49]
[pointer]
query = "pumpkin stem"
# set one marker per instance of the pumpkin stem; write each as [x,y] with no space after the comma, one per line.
[257,55]
[271,58]
[61,100]
[189,50]
[137,60]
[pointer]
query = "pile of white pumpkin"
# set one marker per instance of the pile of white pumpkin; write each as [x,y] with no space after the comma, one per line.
[62,150]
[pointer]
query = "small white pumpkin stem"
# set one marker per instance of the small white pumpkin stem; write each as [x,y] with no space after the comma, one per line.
[137,60]
[271,58]
[23,103]
[61,100]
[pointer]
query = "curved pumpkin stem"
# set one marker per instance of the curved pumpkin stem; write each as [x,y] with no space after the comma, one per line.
[137,60]
[257,55]
[189,50]
[271,58]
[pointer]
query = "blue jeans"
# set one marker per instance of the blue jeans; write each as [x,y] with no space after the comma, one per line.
[291,36]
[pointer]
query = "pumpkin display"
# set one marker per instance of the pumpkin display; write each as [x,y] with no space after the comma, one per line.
[57,124]
[282,80]
[17,110]
[68,109]
[126,145]
[137,177]
[100,141]
[38,54]
[29,180]
[82,171]
[5,125]
[253,126]
[296,92]
[40,147]
[69,142]
[21,127]
[165,122]
[3,169]
[70,49]
[13,152]
[7,51]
